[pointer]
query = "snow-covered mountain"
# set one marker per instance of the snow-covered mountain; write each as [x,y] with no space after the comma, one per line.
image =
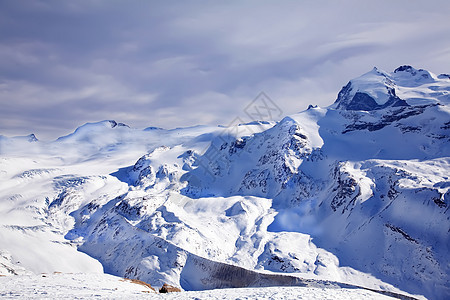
[355,193]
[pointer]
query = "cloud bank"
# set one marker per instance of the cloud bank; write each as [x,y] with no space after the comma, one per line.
[168,64]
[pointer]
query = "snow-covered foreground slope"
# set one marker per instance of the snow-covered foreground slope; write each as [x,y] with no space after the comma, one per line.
[89,286]
[70,286]
[356,193]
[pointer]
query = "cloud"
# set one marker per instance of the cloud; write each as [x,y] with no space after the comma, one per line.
[149,63]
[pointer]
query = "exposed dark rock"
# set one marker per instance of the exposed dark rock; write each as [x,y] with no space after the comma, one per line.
[345,191]
[404,68]
[363,101]
[219,275]
[32,138]
[406,129]
[389,118]
[153,128]
[403,233]
[115,124]
[446,125]
[131,212]
[166,288]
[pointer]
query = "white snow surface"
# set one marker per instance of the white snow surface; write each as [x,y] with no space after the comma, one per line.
[330,195]
[71,286]
[103,286]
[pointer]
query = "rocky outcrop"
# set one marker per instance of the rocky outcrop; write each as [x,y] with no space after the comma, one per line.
[167,288]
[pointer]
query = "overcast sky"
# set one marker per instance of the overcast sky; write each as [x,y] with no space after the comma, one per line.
[172,64]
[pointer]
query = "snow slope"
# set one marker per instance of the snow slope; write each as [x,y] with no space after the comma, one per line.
[88,286]
[70,286]
[356,193]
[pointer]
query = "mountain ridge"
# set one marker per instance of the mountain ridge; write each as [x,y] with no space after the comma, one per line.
[330,193]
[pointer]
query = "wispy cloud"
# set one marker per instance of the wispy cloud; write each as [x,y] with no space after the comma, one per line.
[150,63]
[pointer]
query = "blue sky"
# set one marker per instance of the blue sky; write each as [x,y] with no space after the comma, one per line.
[172,64]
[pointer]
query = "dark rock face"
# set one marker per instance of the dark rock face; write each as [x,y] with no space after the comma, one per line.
[412,71]
[404,68]
[388,119]
[344,93]
[115,124]
[32,138]
[215,275]
[166,288]
[362,101]
[346,191]
[129,211]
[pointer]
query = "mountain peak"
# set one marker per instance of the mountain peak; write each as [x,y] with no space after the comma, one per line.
[404,68]
[371,91]
[32,138]
[377,72]
[29,138]
[89,129]
[412,71]
[378,89]
[410,77]
[115,124]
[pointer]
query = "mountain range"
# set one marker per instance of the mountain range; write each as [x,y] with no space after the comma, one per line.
[356,193]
